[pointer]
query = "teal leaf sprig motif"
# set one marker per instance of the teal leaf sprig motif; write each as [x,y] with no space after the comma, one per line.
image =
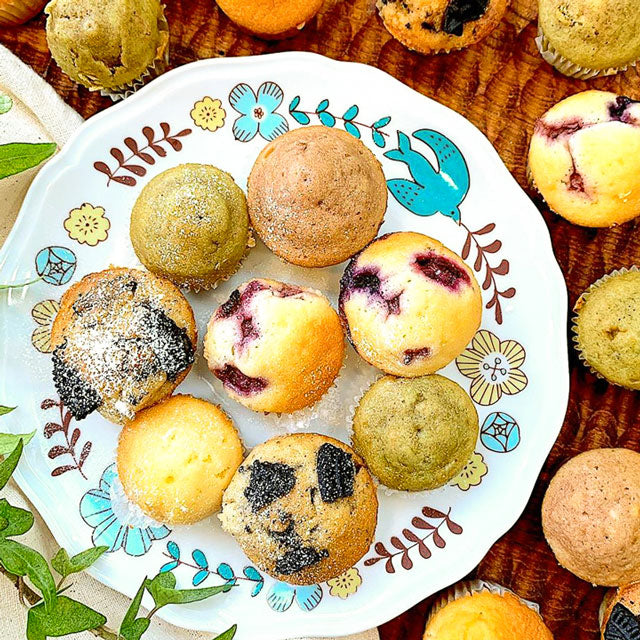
[348,119]
[202,569]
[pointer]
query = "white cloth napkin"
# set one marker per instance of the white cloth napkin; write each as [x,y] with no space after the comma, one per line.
[39,115]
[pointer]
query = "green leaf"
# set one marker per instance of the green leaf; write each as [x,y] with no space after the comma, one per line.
[229,634]
[8,441]
[5,103]
[66,617]
[163,591]
[132,628]
[65,565]
[8,466]
[17,157]
[4,523]
[18,521]
[20,560]
[5,410]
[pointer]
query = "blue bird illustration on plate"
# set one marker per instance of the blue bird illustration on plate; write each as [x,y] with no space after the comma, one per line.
[433,190]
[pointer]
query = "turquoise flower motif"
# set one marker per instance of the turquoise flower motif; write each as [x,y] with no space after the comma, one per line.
[258,112]
[281,596]
[56,265]
[97,511]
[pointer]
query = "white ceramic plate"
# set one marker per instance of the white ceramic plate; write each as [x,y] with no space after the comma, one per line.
[516,368]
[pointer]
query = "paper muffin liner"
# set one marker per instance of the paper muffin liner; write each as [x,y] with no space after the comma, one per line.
[571,69]
[155,69]
[576,309]
[470,588]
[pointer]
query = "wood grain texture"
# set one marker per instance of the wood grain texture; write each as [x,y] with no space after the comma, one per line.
[501,85]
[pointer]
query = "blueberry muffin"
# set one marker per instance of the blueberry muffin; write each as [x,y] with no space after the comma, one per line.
[434,26]
[176,458]
[584,158]
[316,196]
[271,20]
[607,327]
[586,38]
[303,507]
[415,433]
[620,610]
[190,224]
[409,304]
[276,347]
[122,341]
[590,516]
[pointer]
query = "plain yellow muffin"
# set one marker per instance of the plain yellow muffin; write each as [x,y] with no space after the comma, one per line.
[584,158]
[620,610]
[316,196]
[190,224]
[276,347]
[176,458]
[409,304]
[591,516]
[586,38]
[303,507]
[487,616]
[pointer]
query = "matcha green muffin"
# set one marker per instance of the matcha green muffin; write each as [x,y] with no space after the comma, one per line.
[108,45]
[415,433]
[588,38]
[607,327]
[190,225]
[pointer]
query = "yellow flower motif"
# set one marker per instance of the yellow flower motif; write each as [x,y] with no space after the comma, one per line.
[44,314]
[345,584]
[208,114]
[87,225]
[472,474]
[493,366]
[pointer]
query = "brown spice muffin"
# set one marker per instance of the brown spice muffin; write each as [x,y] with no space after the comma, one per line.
[303,507]
[175,459]
[591,516]
[123,340]
[316,196]
[621,610]
[434,26]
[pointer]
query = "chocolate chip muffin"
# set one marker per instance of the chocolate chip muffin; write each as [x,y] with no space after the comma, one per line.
[409,304]
[434,26]
[122,341]
[316,196]
[590,516]
[275,347]
[303,507]
[415,433]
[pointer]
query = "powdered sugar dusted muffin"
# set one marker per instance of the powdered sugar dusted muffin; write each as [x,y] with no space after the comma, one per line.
[584,158]
[303,507]
[275,347]
[176,458]
[316,196]
[190,224]
[123,340]
[409,304]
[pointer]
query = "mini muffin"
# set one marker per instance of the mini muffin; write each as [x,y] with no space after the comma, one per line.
[434,26]
[591,516]
[587,38]
[584,158]
[303,507]
[108,45]
[607,327]
[175,459]
[484,611]
[190,224]
[409,304]
[271,20]
[275,347]
[316,196]
[415,433]
[122,341]
[620,613]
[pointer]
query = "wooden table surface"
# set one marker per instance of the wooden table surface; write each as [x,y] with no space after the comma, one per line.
[501,85]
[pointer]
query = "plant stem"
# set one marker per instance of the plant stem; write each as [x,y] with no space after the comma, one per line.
[19,286]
